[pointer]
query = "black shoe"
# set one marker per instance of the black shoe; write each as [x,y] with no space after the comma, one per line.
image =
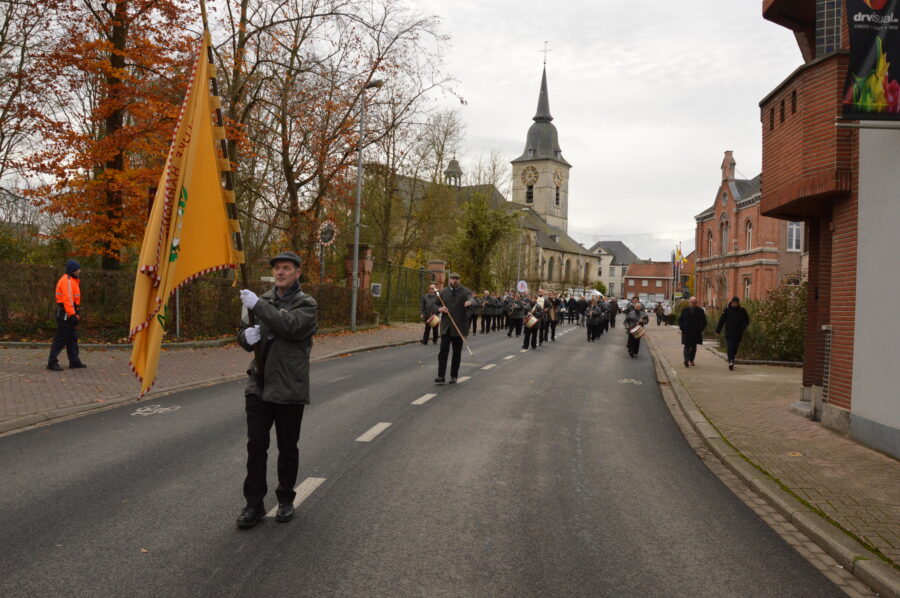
[55,367]
[285,512]
[250,516]
[453,380]
[75,366]
[687,364]
[439,380]
[508,334]
[424,342]
[730,365]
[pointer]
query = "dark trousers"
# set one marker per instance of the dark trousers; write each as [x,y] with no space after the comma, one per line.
[473,323]
[531,336]
[690,352]
[66,336]
[514,324]
[659,319]
[604,325]
[732,344]
[542,336]
[612,321]
[260,417]
[634,344]
[433,331]
[485,323]
[553,329]
[593,332]
[446,342]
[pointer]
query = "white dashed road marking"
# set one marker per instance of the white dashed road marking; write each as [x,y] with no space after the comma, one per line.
[303,490]
[524,351]
[489,366]
[510,357]
[424,399]
[373,432]
[463,379]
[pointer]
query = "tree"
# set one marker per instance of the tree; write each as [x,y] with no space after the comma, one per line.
[481,231]
[600,286]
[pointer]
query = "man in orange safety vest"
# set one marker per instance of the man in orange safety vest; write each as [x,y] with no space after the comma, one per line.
[68,308]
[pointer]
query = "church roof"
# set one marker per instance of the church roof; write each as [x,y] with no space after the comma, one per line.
[548,236]
[621,254]
[542,142]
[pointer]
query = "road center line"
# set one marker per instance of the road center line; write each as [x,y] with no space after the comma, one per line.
[373,432]
[523,351]
[510,357]
[463,379]
[424,399]
[303,490]
[489,366]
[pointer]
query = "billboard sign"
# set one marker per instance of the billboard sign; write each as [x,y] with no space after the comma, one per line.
[871,89]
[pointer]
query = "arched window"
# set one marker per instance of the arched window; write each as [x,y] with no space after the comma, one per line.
[724,235]
[748,234]
[709,243]
[529,194]
[550,269]
[587,272]
[568,270]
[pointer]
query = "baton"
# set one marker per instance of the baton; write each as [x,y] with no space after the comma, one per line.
[452,321]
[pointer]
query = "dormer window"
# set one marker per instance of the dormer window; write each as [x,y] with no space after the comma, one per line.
[531,152]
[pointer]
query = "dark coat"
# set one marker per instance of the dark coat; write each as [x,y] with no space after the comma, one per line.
[735,320]
[635,317]
[692,322]
[593,315]
[613,307]
[286,329]
[429,305]
[455,300]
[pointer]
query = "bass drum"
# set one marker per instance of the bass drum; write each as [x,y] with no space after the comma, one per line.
[531,321]
[433,321]
[638,331]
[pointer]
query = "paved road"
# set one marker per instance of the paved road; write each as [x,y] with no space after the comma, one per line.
[557,472]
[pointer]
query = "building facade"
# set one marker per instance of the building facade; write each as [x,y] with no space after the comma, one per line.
[739,252]
[842,182]
[615,258]
[651,281]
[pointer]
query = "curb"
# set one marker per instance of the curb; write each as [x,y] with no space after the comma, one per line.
[849,553]
[17,424]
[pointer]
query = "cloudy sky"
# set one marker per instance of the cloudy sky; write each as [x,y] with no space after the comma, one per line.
[646,96]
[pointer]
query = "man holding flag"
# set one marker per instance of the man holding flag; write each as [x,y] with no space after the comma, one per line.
[278,388]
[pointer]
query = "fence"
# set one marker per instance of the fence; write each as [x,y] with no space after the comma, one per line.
[397,292]
[209,307]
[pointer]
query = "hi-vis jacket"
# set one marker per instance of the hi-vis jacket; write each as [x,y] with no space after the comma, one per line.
[68,295]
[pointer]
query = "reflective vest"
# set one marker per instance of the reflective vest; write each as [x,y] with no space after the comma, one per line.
[68,294]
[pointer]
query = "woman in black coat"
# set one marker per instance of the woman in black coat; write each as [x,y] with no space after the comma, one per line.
[735,320]
[692,323]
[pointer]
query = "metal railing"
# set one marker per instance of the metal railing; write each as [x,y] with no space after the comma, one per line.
[397,291]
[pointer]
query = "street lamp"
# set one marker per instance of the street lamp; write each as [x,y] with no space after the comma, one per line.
[354,288]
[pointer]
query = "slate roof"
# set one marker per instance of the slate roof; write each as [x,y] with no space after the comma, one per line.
[542,142]
[621,254]
[548,236]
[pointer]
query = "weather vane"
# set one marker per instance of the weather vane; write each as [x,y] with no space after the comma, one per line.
[546,49]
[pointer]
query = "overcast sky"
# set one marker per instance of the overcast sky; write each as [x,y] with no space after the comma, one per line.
[646,96]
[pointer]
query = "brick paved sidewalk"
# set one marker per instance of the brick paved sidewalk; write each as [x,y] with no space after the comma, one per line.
[29,393]
[857,487]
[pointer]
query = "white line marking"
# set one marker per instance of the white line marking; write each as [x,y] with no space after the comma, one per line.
[373,432]
[489,366]
[524,351]
[303,490]
[463,379]
[424,399]
[510,357]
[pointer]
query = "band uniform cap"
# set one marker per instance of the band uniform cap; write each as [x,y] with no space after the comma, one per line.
[286,256]
[453,275]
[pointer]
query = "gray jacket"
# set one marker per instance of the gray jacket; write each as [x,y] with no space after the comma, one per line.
[286,327]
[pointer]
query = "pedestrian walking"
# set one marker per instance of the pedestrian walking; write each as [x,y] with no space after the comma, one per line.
[428,307]
[637,316]
[278,386]
[455,300]
[660,312]
[735,320]
[692,323]
[592,317]
[68,316]
[531,332]
[613,311]
[517,313]
[667,313]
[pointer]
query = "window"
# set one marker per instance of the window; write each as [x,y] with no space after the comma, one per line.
[557,195]
[612,271]
[771,119]
[724,199]
[550,263]
[709,247]
[748,232]
[612,288]
[782,110]
[747,288]
[794,102]
[644,282]
[599,271]
[794,236]
[724,235]
[658,284]
[529,194]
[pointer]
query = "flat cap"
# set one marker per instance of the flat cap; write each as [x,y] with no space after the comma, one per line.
[286,256]
[453,275]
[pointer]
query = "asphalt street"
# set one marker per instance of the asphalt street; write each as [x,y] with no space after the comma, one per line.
[553,472]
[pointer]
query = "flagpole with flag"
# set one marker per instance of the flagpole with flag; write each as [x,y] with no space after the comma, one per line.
[193,227]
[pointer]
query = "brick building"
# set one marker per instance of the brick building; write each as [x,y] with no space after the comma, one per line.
[650,281]
[842,182]
[740,252]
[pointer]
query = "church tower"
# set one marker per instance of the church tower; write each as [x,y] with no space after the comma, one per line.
[541,174]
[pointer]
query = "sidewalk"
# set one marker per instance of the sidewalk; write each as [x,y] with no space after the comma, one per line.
[854,486]
[30,394]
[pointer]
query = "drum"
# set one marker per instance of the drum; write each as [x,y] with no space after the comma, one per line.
[531,321]
[433,321]
[638,331]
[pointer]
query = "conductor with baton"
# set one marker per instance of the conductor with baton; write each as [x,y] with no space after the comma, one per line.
[454,300]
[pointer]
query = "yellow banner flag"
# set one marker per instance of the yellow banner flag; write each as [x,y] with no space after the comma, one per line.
[189,232]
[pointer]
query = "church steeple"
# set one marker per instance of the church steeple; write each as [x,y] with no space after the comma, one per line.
[543,107]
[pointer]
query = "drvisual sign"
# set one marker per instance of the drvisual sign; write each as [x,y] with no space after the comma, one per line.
[871,90]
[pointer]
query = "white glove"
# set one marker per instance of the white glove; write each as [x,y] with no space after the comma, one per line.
[251,335]
[248,298]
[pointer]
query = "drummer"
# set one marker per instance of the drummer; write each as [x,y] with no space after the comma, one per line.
[535,309]
[428,307]
[636,316]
